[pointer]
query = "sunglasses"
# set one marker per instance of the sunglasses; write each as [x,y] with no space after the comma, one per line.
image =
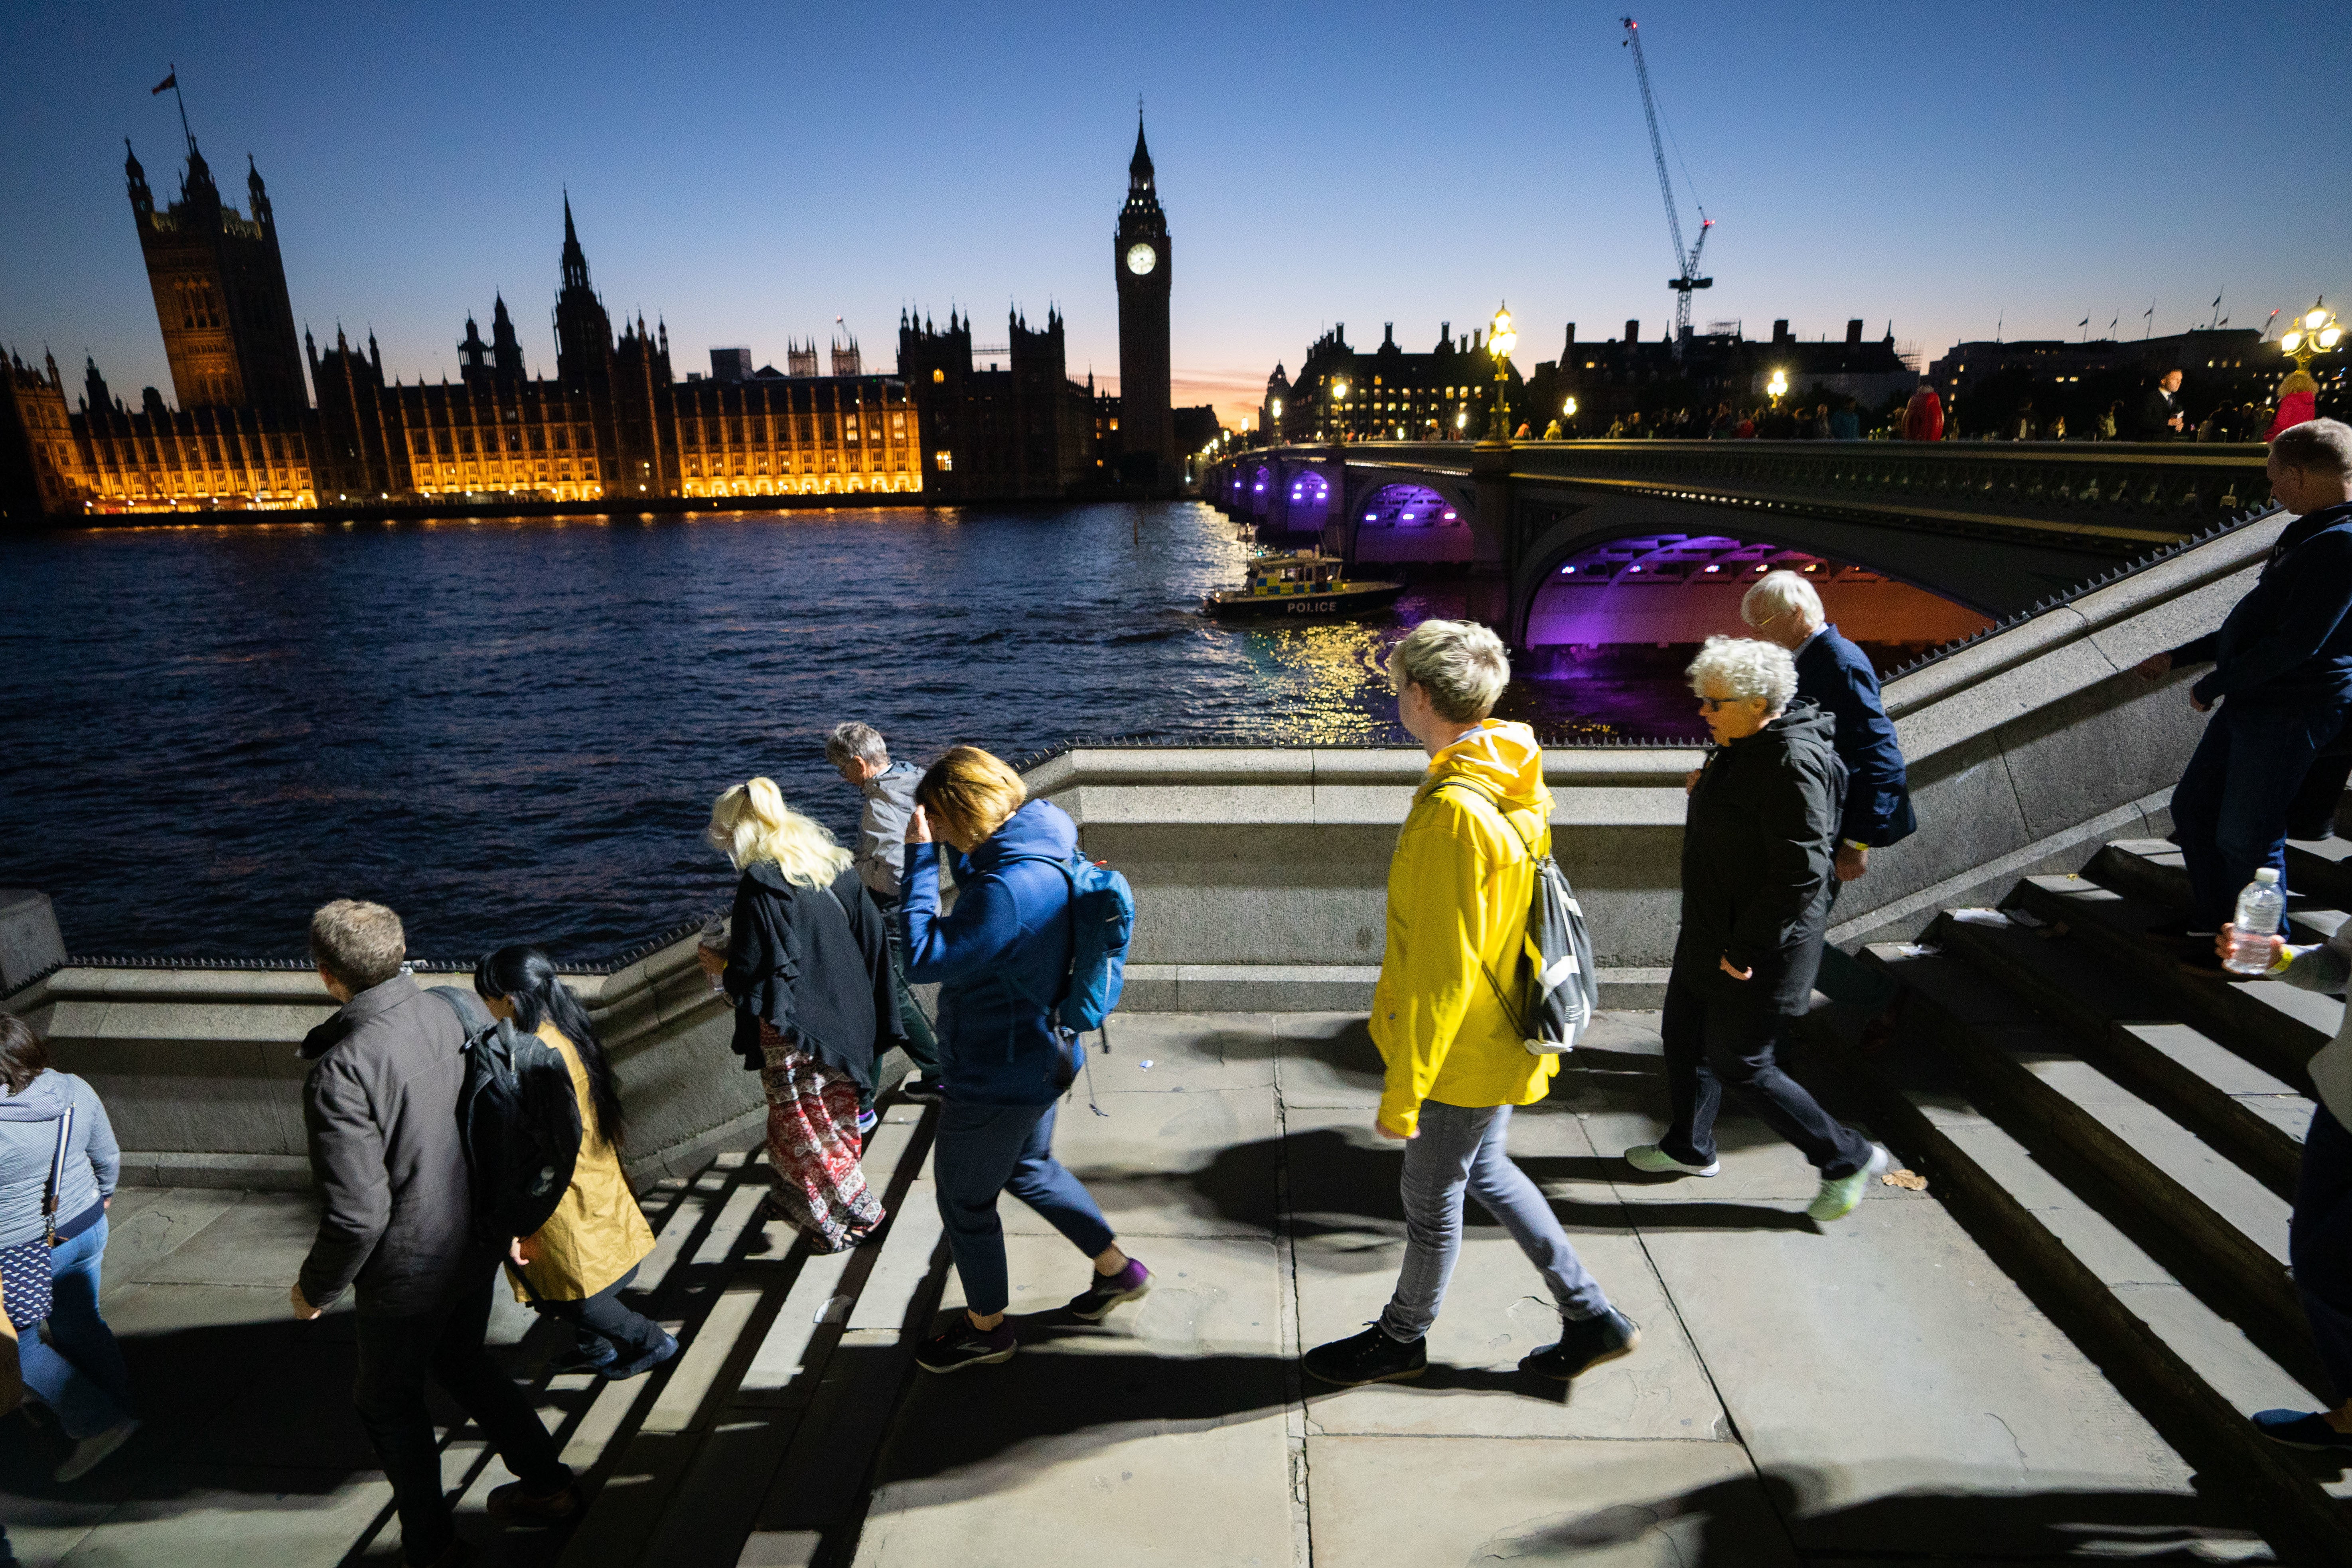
[1715,704]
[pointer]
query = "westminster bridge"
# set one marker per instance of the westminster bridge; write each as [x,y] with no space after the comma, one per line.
[1577,542]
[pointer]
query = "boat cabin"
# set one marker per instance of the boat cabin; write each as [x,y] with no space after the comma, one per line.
[1306,572]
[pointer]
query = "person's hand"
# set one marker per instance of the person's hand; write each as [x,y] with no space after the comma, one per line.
[1725,964]
[2227,939]
[2155,666]
[919,827]
[1690,780]
[302,1307]
[713,962]
[2200,703]
[1852,860]
[1390,1133]
[523,1251]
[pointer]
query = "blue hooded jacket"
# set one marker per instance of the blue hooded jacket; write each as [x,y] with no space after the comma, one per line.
[1011,919]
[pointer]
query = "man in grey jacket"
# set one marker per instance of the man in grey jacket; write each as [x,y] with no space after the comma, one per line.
[396,1228]
[859,754]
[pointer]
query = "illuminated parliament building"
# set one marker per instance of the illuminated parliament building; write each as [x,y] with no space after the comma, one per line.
[613,423]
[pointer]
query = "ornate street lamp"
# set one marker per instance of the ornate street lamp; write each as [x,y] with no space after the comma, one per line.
[1500,340]
[1567,414]
[2317,333]
[1778,387]
[1339,410]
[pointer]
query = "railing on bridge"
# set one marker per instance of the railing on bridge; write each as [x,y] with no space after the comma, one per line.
[2138,490]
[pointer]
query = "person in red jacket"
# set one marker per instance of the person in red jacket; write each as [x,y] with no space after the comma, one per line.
[1923,418]
[2298,398]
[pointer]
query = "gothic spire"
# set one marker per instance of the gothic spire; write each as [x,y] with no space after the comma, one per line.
[575,260]
[1138,168]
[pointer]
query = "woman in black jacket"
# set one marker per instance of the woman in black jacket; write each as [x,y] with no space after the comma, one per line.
[1758,847]
[808,966]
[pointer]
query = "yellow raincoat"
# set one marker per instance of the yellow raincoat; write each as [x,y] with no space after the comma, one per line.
[597,1232]
[1458,893]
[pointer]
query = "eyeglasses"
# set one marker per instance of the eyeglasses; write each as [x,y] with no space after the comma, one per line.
[1714,704]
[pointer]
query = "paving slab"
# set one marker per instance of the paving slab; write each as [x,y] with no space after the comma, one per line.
[1190,1162]
[146,1225]
[1886,1356]
[1188,1051]
[1598,1504]
[1165,1424]
[261,1236]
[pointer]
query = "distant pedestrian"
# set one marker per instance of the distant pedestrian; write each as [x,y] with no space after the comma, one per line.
[1746,429]
[1922,417]
[1521,432]
[1456,1063]
[2298,399]
[2161,415]
[574,1267]
[2109,421]
[396,1227]
[862,757]
[2282,675]
[1845,421]
[1000,957]
[1551,431]
[2319,1230]
[808,968]
[58,1166]
[1725,425]
[1757,870]
[1818,427]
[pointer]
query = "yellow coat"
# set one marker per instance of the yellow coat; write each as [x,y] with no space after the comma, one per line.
[1458,892]
[597,1232]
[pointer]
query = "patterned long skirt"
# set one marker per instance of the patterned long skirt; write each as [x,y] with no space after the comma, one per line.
[813,1149]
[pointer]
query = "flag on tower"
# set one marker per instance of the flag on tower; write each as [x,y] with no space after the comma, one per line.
[166,84]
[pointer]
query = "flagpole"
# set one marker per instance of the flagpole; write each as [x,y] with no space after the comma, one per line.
[179,98]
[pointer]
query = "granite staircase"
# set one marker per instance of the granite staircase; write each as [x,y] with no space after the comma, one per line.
[2123,1137]
[754,1443]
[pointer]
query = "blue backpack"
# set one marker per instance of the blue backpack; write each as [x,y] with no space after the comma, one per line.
[1102,924]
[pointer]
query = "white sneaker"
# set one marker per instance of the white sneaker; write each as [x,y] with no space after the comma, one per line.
[92,1450]
[1651,1158]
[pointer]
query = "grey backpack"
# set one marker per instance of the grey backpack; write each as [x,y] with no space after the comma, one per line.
[1556,992]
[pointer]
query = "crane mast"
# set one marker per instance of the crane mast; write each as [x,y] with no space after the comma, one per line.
[1686,260]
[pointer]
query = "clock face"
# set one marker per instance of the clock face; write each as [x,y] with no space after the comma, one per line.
[1142,259]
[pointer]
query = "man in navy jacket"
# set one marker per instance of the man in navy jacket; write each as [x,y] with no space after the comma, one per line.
[2283,661]
[1784,608]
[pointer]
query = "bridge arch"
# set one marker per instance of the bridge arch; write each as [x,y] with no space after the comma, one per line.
[1406,520]
[1258,495]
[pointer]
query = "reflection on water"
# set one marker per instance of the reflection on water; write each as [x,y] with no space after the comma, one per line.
[512,730]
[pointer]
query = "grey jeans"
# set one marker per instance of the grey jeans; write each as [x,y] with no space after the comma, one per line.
[1463,1149]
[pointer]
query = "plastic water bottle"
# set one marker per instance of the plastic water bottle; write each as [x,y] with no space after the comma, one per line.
[2260,908]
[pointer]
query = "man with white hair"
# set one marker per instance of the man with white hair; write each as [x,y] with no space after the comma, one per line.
[1757,853]
[1831,672]
[860,756]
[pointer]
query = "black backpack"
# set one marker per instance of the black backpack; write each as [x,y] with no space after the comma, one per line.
[518,1121]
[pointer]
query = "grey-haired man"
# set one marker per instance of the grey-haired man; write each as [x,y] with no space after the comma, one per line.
[859,754]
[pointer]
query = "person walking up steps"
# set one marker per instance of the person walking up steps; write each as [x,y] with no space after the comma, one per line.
[1000,960]
[1758,852]
[1459,889]
[575,1267]
[859,755]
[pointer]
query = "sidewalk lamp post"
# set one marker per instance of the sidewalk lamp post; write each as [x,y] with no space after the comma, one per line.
[1567,417]
[1338,411]
[1776,388]
[1500,340]
[2317,333]
[1273,433]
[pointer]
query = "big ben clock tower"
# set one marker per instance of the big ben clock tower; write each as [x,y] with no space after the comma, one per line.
[1147,430]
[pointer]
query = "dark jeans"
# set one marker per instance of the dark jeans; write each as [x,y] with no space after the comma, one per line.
[396,1355]
[921,1046]
[1717,1031]
[607,1331]
[985,1150]
[2230,809]
[2319,1244]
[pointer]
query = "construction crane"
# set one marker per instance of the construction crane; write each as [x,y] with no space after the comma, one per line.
[1687,261]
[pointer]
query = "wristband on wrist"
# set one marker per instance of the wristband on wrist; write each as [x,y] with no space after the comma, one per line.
[2279,964]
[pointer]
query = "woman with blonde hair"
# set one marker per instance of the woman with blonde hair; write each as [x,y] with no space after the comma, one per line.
[808,966]
[1001,959]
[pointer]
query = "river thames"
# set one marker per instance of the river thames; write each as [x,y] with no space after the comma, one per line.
[512,730]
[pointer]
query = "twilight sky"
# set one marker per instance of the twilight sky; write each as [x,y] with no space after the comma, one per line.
[752,172]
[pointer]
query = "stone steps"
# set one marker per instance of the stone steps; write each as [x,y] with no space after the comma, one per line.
[2124,1138]
[678,1465]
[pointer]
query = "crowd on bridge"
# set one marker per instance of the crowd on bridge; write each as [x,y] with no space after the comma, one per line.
[460,1134]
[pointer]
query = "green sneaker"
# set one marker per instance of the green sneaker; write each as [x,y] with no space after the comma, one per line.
[1839,1195]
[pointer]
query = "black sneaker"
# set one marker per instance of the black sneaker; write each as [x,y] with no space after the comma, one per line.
[1369,1357]
[1585,1344]
[622,1370]
[961,1346]
[1104,1291]
[922,1088]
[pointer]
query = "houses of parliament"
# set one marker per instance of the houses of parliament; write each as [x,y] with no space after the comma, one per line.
[268,419]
